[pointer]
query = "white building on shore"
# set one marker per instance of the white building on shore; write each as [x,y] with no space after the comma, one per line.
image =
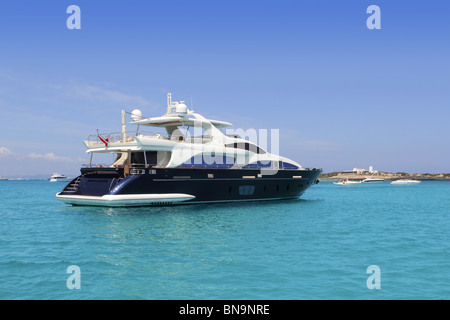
[364,171]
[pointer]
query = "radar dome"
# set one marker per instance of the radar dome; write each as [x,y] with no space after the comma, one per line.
[181,108]
[136,115]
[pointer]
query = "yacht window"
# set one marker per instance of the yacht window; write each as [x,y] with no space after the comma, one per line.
[138,158]
[286,165]
[209,161]
[259,165]
[246,146]
[246,190]
[152,159]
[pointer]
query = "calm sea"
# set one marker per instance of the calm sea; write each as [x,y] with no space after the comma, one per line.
[318,247]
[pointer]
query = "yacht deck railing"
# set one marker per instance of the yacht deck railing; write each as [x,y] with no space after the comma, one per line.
[94,139]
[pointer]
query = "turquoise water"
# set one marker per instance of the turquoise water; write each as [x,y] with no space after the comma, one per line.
[318,247]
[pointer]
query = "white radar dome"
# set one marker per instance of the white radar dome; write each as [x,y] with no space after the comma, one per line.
[181,108]
[136,115]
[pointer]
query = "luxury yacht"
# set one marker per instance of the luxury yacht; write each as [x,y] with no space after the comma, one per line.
[191,161]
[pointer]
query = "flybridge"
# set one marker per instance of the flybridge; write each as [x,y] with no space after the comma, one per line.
[177,114]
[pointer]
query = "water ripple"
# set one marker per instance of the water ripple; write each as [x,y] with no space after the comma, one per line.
[317,247]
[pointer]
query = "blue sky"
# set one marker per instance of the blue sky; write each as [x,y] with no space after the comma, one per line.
[342,96]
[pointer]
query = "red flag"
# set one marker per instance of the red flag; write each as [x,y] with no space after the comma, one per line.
[105,141]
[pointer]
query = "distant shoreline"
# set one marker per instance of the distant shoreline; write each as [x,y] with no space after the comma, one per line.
[29,179]
[332,176]
[385,176]
[23,179]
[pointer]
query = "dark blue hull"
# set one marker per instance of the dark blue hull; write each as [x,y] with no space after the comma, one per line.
[206,185]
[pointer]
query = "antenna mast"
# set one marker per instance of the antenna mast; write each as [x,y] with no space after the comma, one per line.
[169,102]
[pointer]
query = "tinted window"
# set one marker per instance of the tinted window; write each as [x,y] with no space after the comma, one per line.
[138,158]
[286,165]
[209,161]
[246,146]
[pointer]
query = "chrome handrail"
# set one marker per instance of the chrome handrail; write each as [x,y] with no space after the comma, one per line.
[131,135]
[117,136]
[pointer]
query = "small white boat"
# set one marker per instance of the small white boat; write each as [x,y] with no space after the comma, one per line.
[372,180]
[58,177]
[347,182]
[405,181]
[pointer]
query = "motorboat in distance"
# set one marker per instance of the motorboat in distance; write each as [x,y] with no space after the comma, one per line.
[347,183]
[372,180]
[405,182]
[58,177]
